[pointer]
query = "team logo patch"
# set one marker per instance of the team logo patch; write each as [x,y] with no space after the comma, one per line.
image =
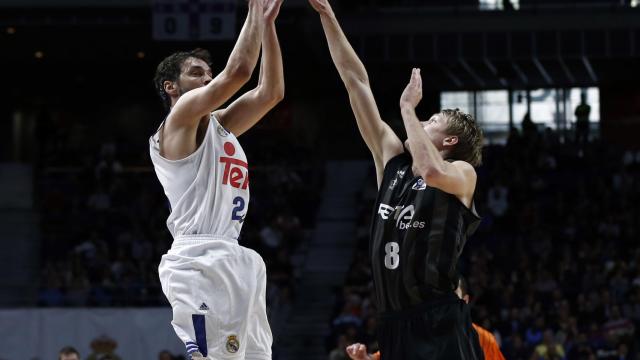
[222,131]
[233,344]
[419,185]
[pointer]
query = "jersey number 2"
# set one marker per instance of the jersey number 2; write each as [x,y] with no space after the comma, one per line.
[238,201]
[392,258]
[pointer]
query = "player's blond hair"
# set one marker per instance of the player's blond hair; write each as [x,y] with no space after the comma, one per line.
[470,137]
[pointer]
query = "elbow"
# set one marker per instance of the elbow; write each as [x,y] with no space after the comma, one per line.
[278,97]
[271,96]
[277,94]
[240,72]
[274,98]
[354,79]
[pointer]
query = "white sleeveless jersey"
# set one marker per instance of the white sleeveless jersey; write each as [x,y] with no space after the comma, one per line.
[209,189]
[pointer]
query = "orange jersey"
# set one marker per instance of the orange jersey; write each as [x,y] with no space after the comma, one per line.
[488,344]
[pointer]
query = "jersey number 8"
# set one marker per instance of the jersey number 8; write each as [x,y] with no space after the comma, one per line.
[392,258]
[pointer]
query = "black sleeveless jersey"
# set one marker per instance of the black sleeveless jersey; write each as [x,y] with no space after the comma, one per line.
[417,235]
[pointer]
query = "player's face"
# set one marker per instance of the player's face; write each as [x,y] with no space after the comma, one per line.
[195,74]
[436,128]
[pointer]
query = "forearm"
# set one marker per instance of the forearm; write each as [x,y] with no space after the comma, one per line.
[271,80]
[244,56]
[426,157]
[344,57]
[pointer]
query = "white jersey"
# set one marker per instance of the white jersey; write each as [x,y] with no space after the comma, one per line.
[209,189]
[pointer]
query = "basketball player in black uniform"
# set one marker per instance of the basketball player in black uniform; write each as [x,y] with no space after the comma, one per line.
[423,215]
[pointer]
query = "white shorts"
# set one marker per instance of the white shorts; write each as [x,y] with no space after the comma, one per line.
[217,291]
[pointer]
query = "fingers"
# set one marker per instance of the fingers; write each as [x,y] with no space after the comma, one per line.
[416,78]
[415,74]
[361,352]
[270,4]
[272,9]
[319,5]
[351,351]
[357,351]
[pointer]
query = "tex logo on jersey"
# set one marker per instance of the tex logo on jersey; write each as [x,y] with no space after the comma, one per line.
[236,171]
[402,215]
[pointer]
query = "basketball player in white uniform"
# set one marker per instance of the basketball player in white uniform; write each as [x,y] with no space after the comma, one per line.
[215,286]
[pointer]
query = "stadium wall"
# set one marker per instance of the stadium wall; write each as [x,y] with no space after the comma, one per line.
[39,334]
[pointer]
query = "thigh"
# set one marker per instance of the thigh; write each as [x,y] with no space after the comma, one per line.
[211,300]
[259,336]
[193,319]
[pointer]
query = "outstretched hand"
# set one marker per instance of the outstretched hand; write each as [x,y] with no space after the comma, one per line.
[271,9]
[321,6]
[412,94]
[358,351]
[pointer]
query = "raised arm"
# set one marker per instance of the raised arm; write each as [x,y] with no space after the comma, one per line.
[458,177]
[248,109]
[179,131]
[381,140]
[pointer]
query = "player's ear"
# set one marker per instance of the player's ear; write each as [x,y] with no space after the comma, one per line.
[450,141]
[170,87]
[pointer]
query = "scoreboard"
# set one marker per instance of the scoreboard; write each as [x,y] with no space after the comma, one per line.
[192,20]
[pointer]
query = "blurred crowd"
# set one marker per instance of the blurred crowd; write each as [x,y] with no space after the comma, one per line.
[554,269]
[104,217]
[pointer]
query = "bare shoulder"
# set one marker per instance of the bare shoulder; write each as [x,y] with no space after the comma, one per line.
[178,139]
[457,178]
[465,168]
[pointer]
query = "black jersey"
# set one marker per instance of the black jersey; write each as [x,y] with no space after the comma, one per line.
[417,235]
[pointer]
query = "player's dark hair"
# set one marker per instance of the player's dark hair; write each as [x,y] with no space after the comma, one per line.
[171,67]
[68,350]
[470,138]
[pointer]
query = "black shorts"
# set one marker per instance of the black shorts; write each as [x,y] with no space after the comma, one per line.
[432,331]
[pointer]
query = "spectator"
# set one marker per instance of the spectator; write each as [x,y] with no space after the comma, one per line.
[339,353]
[103,349]
[549,349]
[165,355]
[68,353]
[583,110]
